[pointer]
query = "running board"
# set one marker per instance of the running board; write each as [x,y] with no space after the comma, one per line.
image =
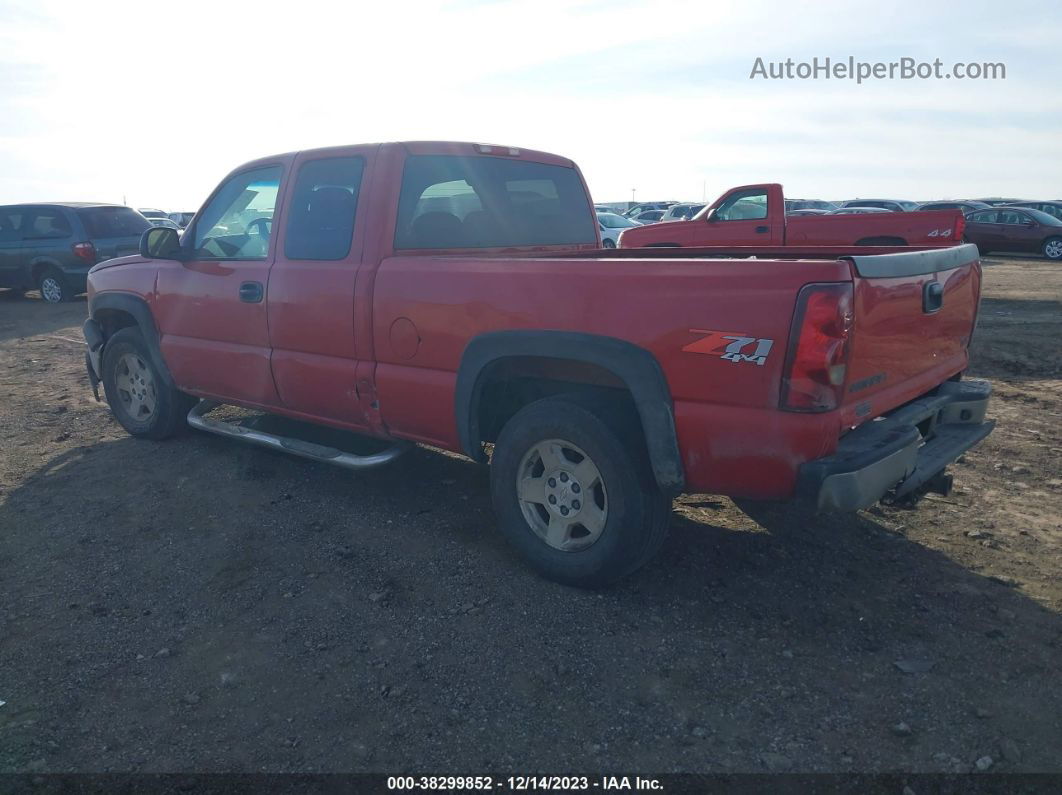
[287,444]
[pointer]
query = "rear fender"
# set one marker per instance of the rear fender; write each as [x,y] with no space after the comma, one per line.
[636,367]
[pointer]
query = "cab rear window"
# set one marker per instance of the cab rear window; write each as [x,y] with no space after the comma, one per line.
[449,201]
[113,222]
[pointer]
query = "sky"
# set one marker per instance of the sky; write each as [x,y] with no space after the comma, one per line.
[153,103]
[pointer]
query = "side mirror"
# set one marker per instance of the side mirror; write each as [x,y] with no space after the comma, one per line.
[160,242]
[710,215]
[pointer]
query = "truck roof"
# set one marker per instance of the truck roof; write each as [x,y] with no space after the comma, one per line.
[466,148]
[71,205]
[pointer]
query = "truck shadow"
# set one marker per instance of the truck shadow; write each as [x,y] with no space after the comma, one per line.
[300,582]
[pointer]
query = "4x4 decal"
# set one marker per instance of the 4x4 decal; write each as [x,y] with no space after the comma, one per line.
[730,345]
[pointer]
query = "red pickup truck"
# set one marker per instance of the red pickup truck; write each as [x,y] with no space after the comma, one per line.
[456,295]
[754,215]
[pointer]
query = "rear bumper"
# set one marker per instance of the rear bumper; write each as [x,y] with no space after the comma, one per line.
[901,452]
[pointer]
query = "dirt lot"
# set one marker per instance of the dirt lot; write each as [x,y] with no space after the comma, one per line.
[201,605]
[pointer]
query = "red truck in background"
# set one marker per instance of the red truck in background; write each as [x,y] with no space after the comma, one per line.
[456,295]
[754,215]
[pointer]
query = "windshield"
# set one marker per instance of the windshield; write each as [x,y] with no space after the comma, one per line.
[1043,218]
[613,221]
[103,222]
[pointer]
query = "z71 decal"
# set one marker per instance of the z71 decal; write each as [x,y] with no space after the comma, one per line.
[730,345]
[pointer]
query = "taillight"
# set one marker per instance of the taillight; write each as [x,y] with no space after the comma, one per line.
[817,360]
[85,251]
[960,228]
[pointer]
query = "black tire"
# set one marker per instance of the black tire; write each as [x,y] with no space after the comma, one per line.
[1052,248]
[169,406]
[608,243]
[54,286]
[636,513]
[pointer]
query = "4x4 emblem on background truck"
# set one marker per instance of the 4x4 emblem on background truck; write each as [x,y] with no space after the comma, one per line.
[729,345]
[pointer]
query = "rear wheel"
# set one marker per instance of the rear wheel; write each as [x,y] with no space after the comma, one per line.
[576,498]
[1053,248]
[608,243]
[136,392]
[54,286]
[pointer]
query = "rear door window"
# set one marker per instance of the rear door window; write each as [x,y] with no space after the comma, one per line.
[45,223]
[986,217]
[321,219]
[106,222]
[450,201]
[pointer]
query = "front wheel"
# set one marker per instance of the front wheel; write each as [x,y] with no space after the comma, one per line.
[1053,248]
[137,393]
[576,499]
[608,243]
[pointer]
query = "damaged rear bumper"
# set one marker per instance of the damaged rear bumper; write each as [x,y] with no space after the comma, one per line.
[901,454]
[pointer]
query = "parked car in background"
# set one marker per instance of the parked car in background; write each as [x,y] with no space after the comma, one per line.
[807,211]
[1020,230]
[1051,208]
[167,222]
[995,201]
[858,211]
[681,212]
[51,247]
[640,208]
[612,226]
[754,215]
[648,216]
[895,205]
[181,219]
[150,212]
[967,206]
[809,204]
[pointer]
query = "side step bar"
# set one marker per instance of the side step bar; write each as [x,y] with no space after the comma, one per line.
[286,444]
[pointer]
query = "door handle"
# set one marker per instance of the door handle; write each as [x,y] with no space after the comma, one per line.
[761,229]
[251,292]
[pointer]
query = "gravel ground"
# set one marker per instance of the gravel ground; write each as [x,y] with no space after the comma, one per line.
[199,605]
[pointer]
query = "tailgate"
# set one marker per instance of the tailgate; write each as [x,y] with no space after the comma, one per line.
[914,314]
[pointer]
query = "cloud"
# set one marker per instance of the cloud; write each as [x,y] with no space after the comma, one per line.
[157,103]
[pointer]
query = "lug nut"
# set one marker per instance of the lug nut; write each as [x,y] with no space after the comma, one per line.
[564,510]
[575,488]
[552,483]
[576,505]
[552,499]
[564,477]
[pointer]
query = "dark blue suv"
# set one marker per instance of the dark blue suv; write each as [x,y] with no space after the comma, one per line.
[51,246]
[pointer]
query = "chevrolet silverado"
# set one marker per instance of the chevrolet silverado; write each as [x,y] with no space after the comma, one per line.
[457,295]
